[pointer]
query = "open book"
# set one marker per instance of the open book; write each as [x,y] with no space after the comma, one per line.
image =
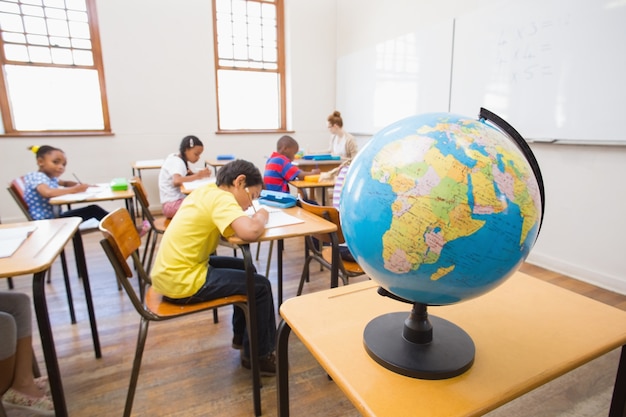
[12,238]
[277,216]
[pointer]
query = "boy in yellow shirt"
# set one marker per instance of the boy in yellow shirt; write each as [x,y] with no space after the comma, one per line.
[185,272]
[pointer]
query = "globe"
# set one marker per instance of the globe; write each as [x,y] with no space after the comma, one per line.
[440,208]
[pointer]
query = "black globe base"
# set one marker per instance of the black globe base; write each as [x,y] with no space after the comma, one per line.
[419,347]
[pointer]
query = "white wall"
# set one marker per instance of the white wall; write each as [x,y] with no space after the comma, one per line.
[158,64]
[585,220]
[158,59]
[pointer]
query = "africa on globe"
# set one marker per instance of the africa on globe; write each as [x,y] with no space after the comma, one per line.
[439,208]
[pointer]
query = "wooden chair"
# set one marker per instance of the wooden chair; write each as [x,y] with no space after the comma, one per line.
[16,189]
[122,242]
[157,224]
[323,254]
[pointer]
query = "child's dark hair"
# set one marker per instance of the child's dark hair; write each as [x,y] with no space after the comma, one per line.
[228,173]
[284,142]
[41,151]
[188,142]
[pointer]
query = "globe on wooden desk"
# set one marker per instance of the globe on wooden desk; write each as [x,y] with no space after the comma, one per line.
[454,206]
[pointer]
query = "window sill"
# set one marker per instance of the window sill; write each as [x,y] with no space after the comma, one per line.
[252,131]
[67,133]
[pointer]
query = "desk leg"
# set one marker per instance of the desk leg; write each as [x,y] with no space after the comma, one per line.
[253,332]
[618,403]
[79,253]
[279,269]
[47,344]
[334,271]
[282,372]
[130,206]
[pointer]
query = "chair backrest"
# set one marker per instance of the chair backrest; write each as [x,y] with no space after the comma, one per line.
[122,242]
[329,213]
[120,232]
[142,198]
[16,189]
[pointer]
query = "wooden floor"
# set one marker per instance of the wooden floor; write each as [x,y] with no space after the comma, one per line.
[189,368]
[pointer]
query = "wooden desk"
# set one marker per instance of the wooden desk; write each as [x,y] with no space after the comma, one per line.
[324,165]
[188,187]
[104,193]
[312,224]
[217,163]
[527,332]
[301,184]
[35,256]
[138,166]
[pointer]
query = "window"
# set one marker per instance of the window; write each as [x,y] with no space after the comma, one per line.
[249,65]
[52,80]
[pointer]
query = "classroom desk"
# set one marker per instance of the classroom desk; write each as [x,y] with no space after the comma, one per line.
[138,166]
[104,193]
[35,256]
[526,332]
[323,166]
[188,187]
[312,224]
[217,163]
[312,185]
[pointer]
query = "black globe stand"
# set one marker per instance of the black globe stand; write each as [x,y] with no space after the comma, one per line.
[418,346]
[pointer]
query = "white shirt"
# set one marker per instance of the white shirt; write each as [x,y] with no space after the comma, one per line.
[173,164]
[338,145]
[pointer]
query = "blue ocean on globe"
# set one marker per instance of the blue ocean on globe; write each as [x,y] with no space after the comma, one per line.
[440,208]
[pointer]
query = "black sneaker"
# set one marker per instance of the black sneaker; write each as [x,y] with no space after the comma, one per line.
[237,342]
[267,364]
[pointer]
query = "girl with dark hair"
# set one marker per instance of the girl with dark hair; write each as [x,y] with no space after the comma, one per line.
[40,186]
[175,171]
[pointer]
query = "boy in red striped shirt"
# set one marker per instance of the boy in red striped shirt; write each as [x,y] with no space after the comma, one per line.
[279,170]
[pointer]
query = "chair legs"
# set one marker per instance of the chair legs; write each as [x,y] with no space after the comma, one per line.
[153,247]
[148,251]
[134,376]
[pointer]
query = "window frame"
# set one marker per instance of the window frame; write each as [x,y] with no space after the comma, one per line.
[98,65]
[281,70]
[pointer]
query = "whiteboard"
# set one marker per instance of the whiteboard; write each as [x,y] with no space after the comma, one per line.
[396,78]
[555,70]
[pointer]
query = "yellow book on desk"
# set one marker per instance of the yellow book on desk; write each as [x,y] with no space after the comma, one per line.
[312,178]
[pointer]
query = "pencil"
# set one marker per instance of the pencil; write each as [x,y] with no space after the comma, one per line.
[76,178]
[251,203]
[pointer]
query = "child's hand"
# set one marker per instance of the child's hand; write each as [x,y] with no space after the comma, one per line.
[79,188]
[204,173]
[315,171]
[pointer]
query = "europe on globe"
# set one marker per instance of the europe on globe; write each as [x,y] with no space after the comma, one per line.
[440,208]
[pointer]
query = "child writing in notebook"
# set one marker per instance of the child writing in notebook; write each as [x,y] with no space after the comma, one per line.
[279,170]
[175,171]
[187,271]
[40,186]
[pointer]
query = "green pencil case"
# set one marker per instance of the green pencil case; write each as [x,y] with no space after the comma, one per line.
[119,184]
